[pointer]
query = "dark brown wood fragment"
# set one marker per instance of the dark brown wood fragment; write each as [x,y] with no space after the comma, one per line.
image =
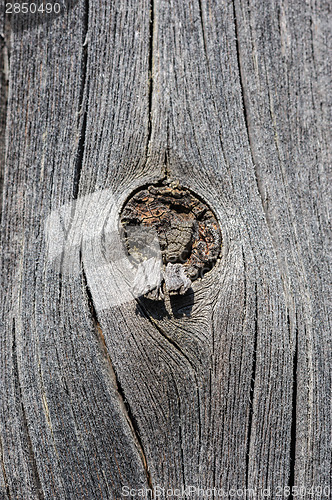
[188,232]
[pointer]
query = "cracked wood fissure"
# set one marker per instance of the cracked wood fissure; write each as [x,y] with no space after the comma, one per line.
[123,402]
[4,69]
[83,101]
[227,385]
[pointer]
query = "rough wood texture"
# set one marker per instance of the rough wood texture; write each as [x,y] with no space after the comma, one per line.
[228,386]
[187,233]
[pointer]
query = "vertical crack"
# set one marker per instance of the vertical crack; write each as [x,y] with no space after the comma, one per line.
[203,34]
[25,428]
[252,390]
[205,46]
[167,155]
[121,395]
[133,423]
[245,112]
[250,142]
[180,435]
[4,84]
[269,225]
[145,313]
[83,103]
[238,55]
[150,72]
[291,481]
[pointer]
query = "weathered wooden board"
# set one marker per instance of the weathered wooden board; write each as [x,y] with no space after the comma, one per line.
[229,385]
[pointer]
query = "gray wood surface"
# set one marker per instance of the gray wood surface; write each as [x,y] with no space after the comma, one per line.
[228,386]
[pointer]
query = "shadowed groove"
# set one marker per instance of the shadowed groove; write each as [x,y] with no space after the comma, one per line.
[120,392]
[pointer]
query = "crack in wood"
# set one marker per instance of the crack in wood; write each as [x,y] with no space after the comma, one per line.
[124,405]
[177,347]
[31,453]
[150,72]
[83,103]
[252,390]
[5,48]
[180,435]
[291,482]
[270,228]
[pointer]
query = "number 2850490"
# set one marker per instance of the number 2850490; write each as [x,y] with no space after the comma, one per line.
[32,8]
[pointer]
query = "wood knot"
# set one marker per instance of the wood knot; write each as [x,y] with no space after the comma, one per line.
[188,234]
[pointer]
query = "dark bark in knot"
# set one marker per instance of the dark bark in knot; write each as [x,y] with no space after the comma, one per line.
[188,234]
